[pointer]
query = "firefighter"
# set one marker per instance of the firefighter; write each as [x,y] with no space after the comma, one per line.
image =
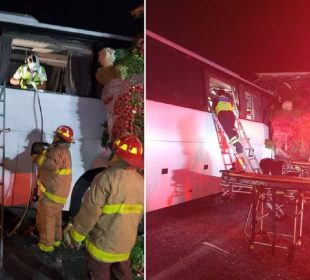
[110,213]
[223,107]
[29,74]
[54,183]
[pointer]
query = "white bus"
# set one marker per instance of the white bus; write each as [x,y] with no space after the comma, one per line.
[183,156]
[69,56]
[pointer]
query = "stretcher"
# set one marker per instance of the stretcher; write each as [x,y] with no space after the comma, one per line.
[270,194]
[300,168]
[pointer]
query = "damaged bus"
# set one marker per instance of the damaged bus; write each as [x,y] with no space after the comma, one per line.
[183,156]
[71,97]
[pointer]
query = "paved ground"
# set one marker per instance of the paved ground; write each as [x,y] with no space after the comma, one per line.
[23,260]
[181,240]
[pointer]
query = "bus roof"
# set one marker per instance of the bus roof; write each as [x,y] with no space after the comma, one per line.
[30,21]
[202,59]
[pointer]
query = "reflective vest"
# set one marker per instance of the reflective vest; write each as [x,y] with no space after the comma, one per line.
[224,104]
[27,77]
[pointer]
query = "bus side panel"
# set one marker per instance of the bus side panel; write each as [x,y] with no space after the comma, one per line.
[183,158]
[84,115]
[257,133]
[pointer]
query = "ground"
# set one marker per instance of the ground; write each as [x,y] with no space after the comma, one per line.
[204,239]
[23,259]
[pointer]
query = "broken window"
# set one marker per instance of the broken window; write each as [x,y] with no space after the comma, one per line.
[68,64]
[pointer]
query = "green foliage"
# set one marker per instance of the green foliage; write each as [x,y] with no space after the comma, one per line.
[121,55]
[129,66]
[128,111]
[137,258]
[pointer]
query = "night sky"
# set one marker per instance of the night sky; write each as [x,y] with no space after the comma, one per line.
[97,15]
[244,36]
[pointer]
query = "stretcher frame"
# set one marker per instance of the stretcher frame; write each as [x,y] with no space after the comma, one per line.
[300,167]
[270,193]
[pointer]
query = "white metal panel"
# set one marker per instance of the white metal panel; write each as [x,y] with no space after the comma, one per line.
[84,115]
[184,142]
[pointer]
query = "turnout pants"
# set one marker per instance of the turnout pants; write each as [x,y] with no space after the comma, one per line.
[227,120]
[107,271]
[48,222]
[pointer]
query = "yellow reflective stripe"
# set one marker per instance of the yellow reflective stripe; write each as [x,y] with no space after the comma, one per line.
[63,171]
[133,151]
[77,237]
[41,158]
[45,248]
[51,196]
[103,256]
[57,243]
[223,106]
[122,209]
[234,140]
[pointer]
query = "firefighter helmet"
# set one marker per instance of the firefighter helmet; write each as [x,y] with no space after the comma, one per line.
[65,132]
[129,148]
[221,92]
[33,62]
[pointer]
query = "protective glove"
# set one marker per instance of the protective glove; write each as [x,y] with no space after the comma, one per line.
[38,147]
[23,83]
[33,84]
[68,240]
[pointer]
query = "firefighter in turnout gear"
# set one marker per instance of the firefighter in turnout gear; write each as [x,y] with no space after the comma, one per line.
[29,74]
[54,183]
[224,109]
[111,211]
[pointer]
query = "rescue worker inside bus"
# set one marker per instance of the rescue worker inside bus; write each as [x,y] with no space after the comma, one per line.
[30,75]
[224,108]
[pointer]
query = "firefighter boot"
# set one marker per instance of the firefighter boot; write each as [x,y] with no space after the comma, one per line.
[48,224]
[240,165]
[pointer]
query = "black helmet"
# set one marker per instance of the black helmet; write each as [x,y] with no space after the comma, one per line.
[221,92]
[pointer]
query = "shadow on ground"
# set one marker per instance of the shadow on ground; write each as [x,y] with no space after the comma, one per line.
[23,260]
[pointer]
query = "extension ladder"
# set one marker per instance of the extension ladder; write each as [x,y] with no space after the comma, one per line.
[2,159]
[248,159]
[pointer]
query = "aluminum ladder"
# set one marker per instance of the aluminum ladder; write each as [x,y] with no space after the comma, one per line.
[248,161]
[3,129]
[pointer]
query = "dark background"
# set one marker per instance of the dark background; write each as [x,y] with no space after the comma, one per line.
[97,15]
[245,36]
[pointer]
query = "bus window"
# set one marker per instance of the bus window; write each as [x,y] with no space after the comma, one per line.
[174,78]
[218,84]
[253,107]
[249,106]
[68,67]
[258,108]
